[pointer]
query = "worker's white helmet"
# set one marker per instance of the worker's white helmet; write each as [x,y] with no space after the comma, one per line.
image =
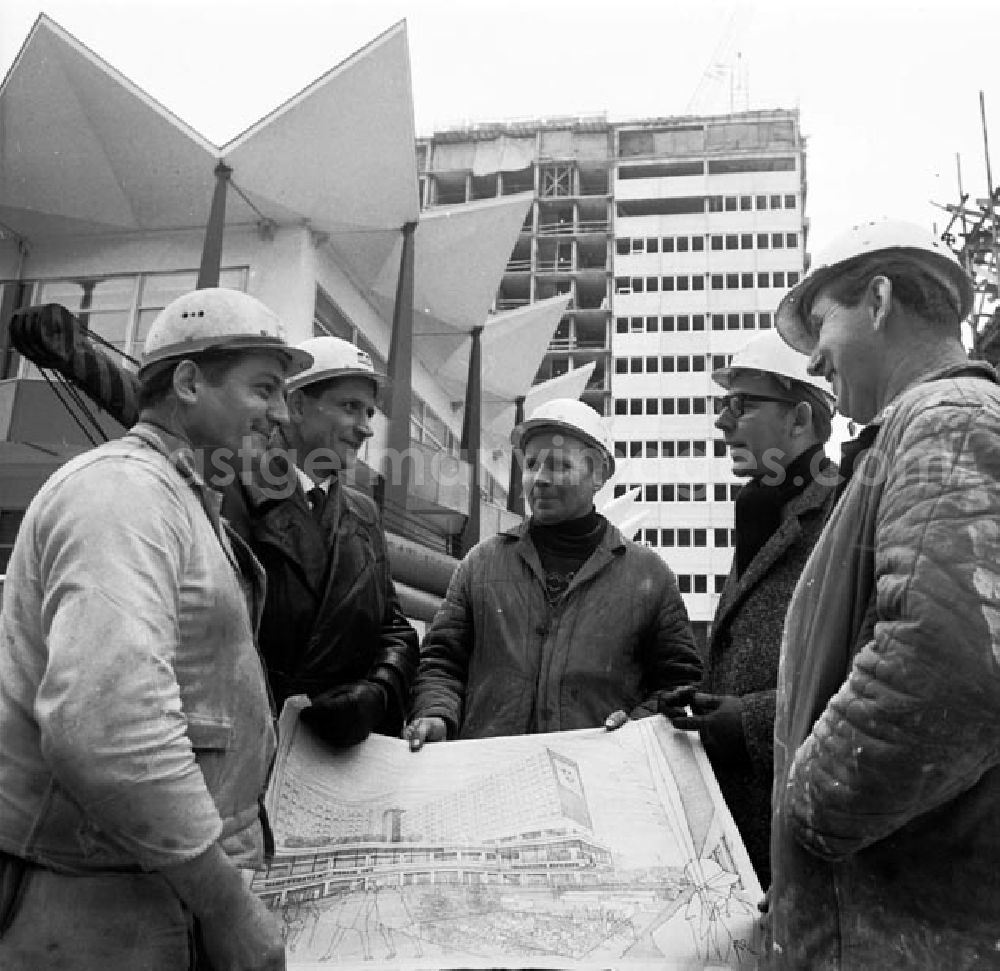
[334,357]
[572,416]
[880,236]
[769,354]
[217,319]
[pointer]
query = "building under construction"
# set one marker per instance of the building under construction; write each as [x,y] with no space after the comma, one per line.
[673,239]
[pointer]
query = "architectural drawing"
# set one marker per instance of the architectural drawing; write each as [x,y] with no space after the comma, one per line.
[585,849]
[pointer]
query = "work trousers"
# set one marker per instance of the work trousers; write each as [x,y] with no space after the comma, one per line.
[103,922]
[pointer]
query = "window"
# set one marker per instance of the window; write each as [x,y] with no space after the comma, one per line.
[651,536]
[683,363]
[763,279]
[700,406]
[667,363]
[652,406]
[683,406]
[667,450]
[734,489]
[635,365]
[777,240]
[791,240]
[775,202]
[699,448]
[746,280]
[719,449]
[623,246]
[719,361]
[682,283]
[732,241]
[719,492]
[778,278]
[637,284]
[698,321]
[668,324]
[620,490]
[718,321]
[700,583]
[715,203]
[746,203]
[649,493]
[667,244]
[621,365]
[732,281]
[652,450]
[697,363]
[721,537]
[748,322]
[717,242]
[622,284]
[761,202]
[652,324]
[652,365]
[732,321]
[635,406]
[667,406]
[790,202]
[793,278]
[653,244]
[621,406]
[731,203]
[765,321]
[720,582]
[700,537]
[698,282]
[746,241]
[684,583]
[668,284]
[697,244]
[621,325]
[667,492]
[763,241]
[635,450]
[637,325]
[636,245]
[666,537]
[683,322]
[684,537]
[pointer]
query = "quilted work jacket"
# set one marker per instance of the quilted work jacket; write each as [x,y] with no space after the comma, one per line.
[886,829]
[743,657]
[331,615]
[498,659]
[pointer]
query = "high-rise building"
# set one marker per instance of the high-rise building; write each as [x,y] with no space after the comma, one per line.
[675,238]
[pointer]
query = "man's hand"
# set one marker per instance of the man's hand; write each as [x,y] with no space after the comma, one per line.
[717,718]
[615,720]
[347,714]
[238,933]
[425,730]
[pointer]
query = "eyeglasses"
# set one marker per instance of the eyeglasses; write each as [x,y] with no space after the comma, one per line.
[736,403]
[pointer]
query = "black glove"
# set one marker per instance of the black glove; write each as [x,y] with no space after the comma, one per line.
[717,718]
[347,714]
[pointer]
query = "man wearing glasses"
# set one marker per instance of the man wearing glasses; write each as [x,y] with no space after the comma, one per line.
[775,419]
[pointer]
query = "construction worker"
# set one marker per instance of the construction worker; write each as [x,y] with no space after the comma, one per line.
[775,418]
[885,843]
[332,627]
[560,622]
[135,730]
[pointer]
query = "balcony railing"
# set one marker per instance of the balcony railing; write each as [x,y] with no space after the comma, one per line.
[571,229]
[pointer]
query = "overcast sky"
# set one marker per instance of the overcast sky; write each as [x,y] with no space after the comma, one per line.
[888,90]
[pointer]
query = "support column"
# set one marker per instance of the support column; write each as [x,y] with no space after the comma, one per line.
[398,461]
[515,487]
[211,253]
[472,436]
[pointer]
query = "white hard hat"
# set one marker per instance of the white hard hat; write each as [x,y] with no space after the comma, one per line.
[573,416]
[217,319]
[880,236]
[334,357]
[769,354]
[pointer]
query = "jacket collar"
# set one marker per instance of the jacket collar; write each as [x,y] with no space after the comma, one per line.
[812,498]
[977,369]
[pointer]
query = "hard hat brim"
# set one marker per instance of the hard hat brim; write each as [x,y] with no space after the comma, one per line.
[297,360]
[523,431]
[304,381]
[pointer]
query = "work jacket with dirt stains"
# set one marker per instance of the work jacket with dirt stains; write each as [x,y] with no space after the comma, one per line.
[886,829]
[135,725]
[743,653]
[500,659]
[331,616]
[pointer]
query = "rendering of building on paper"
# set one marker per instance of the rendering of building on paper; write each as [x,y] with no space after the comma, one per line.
[574,849]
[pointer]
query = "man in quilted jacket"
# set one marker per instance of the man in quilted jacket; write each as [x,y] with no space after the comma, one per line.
[558,623]
[885,845]
[775,419]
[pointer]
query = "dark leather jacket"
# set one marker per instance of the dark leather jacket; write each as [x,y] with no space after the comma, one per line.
[331,615]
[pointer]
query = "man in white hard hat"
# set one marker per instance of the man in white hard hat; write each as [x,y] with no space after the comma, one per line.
[561,621]
[332,627]
[775,418]
[885,841]
[136,734]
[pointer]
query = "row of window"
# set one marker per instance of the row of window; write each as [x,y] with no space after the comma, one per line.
[667,363]
[628,245]
[698,583]
[721,538]
[681,491]
[670,449]
[669,323]
[716,166]
[718,281]
[664,406]
[747,203]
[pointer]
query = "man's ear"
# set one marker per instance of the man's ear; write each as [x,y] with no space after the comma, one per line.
[802,418]
[187,380]
[879,300]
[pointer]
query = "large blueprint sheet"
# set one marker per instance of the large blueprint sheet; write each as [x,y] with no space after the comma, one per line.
[587,849]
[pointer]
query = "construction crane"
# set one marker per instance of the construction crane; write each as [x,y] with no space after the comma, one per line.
[726,66]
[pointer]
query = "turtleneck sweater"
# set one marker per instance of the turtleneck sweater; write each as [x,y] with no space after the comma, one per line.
[564,547]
